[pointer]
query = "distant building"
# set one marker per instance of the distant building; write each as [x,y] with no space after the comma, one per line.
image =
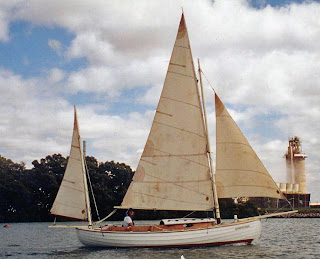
[295,188]
[296,168]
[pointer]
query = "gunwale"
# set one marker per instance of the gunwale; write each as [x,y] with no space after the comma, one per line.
[167,229]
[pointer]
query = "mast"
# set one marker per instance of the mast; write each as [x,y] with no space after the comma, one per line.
[84,148]
[214,188]
[87,195]
[86,191]
[87,198]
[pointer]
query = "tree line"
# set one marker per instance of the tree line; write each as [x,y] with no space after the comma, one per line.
[27,195]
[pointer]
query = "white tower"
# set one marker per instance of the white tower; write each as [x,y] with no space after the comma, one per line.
[295,159]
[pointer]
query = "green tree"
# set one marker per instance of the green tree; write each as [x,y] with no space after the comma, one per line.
[43,181]
[14,195]
[110,182]
[229,208]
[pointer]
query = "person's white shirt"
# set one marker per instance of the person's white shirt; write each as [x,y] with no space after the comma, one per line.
[126,221]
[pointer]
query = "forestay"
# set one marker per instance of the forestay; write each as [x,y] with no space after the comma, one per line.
[173,172]
[239,171]
[71,197]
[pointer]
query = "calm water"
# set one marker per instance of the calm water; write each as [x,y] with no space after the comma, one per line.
[281,238]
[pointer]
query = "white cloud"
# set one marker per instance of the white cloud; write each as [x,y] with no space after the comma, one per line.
[27,118]
[112,79]
[113,137]
[92,79]
[6,13]
[33,125]
[56,75]
[151,97]
[55,45]
[87,44]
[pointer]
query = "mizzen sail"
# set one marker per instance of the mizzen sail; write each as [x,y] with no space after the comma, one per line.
[173,172]
[71,197]
[239,171]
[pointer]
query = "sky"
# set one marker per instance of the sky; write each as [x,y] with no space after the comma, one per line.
[109,58]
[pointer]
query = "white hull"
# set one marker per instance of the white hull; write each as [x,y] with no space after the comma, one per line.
[226,233]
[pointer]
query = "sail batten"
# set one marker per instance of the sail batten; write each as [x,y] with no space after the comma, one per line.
[173,172]
[239,171]
[71,198]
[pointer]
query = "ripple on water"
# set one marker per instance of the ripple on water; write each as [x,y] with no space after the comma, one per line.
[281,238]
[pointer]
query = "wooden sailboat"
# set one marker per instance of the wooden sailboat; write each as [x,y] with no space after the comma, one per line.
[175,170]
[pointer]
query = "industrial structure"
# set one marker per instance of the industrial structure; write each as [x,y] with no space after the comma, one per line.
[295,188]
[296,171]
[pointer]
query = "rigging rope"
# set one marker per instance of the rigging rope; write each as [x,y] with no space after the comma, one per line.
[208,81]
[279,190]
[110,214]
[94,199]
[189,214]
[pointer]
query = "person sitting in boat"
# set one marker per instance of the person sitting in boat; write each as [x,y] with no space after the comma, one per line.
[128,219]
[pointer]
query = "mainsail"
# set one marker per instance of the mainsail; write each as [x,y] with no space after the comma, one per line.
[71,197]
[239,171]
[173,172]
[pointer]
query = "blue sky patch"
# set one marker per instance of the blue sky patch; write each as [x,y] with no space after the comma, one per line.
[28,53]
[260,4]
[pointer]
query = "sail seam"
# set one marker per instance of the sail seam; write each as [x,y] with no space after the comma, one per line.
[67,205]
[179,46]
[174,182]
[177,157]
[181,186]
[71,187]
[179,65]
[171,155]
[165,198]
[70,157]
[83,219]
[180,74]
[237,143]
[68,181]
[251,186]
[147,161]
[157,111]
[252,171]
[175,100]
[206,166]
[163,124]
